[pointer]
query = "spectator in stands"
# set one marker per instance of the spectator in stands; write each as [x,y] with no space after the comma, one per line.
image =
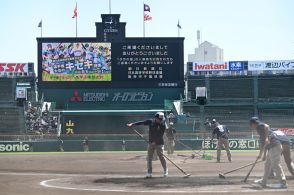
[86,144]
[38,122]
[170,134]
[222,133]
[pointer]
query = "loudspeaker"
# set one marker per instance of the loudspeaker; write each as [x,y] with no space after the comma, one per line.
[201,95]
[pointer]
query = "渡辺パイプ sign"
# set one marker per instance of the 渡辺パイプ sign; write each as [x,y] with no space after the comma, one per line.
[271,65]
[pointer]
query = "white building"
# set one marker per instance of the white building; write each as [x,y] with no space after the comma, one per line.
[207,52]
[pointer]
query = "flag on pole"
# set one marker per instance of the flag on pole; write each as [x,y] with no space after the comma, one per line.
[147,17]
[146,9]
[178,25]
[75,12]
[40,24]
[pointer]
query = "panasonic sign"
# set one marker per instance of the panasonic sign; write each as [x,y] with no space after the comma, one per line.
[14,147]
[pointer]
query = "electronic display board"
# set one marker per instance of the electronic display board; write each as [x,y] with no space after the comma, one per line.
[76,61]
[134,62]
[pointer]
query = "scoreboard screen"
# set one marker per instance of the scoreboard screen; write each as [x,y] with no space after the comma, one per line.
[76,61]
[133,62]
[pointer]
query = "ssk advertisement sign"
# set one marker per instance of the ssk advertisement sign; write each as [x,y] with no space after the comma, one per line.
[218,66]
[7,68]
[271,65]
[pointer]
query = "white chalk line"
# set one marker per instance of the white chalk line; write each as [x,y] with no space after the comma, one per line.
[46,183]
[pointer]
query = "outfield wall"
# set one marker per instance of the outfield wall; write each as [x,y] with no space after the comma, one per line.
[116,145]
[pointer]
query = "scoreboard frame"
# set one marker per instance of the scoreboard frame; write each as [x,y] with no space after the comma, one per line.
[175,76]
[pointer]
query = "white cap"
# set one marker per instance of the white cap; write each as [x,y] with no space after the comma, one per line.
[159,115]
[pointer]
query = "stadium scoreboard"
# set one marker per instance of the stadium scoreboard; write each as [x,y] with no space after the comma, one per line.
[130,63]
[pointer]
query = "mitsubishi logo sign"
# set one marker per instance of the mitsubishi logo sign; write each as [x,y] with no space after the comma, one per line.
[76,97]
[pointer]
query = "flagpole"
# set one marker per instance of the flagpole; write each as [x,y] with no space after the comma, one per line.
[179,28]
[41,31]
[109,1]
[143,20]
[76,26]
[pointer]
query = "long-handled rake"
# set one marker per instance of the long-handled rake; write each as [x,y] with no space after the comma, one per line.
[222,175]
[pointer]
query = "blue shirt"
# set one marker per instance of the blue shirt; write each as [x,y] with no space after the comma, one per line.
[221,131]
[275,137]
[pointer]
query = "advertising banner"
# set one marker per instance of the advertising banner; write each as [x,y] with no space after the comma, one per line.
[7,68]
[287,131]
[255,65]
[116,145]
[271,65]
[279,65]
[234,144]
[14,147]
[210,66]
[236,65]
[77,61]
[21,93]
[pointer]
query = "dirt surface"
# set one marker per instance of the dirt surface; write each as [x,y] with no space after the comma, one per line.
[123,173]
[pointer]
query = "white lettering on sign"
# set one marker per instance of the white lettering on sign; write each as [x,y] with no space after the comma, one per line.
[14,147]
[110,30]
[233,144]
[132,97]
[95,97]
[14,67]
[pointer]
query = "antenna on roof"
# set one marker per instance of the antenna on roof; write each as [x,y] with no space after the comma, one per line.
[198,37]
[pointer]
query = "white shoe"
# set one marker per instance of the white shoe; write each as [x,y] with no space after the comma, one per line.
[148,175]
[165,174]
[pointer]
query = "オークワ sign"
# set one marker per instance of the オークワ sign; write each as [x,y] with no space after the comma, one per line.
[210,66]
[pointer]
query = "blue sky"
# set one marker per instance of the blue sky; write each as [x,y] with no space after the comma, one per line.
[245,29]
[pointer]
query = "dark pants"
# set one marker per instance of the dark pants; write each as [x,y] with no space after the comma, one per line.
[220,143]
[159,150]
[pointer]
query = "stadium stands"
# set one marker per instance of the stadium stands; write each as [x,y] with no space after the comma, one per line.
[7,90]
[278,118]
[233,100]
[276,87]
[229,88]
[11,120]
